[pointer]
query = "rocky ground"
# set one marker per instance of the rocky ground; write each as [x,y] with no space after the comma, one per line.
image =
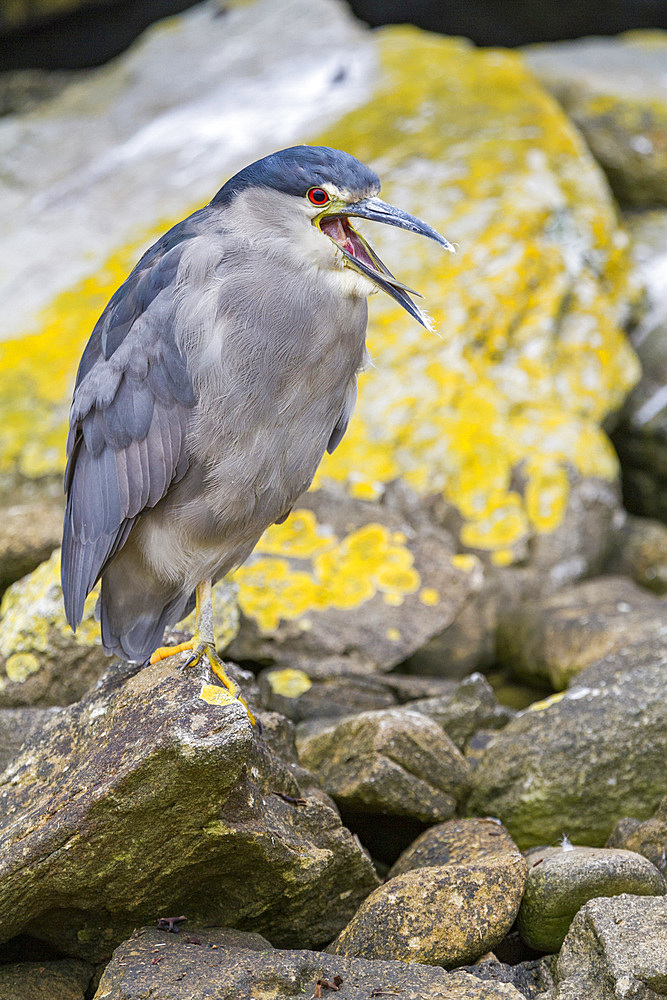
[456,644]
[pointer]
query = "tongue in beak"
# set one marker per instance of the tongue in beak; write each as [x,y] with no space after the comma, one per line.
[363,258]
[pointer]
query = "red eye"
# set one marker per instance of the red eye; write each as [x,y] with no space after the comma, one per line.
[318,196]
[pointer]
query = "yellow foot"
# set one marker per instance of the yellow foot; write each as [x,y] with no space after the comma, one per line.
[199,650]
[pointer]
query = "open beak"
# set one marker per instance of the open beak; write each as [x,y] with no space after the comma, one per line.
[361,255]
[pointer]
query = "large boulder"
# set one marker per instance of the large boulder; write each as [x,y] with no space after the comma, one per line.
[580,760]
[154,797]
[211,962]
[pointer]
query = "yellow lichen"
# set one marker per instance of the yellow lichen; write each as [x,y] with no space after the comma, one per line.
[289,683]
[216,695]
[344,575]
[19,666]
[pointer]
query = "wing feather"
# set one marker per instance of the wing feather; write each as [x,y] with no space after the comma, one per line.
[128,423]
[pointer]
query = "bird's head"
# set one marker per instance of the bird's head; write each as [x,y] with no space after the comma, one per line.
[326,187]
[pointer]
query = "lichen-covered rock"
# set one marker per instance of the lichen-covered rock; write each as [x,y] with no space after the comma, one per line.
[648,837]
[67,979]
[207,961]
[42,662]
[614,89]
[351,582]
[557,637]
[615,948]
[501,415]
[153,798]
[444,915]
[532,978]
[29,533]
[393,762]
[561,879]
[458,841]
[580,760]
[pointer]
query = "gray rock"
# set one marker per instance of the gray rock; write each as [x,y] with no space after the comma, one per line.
[553,639]
[458,841]
[615,949]
[614,89]
[648,837]
[153,798]
[582,759]
[302,695]
[443,915]
[64,980]
[394,762]
[561,880]
[471,706]
[530,978]
[16,726]
[641,552]
[641,434]
[204,962]
[29,532]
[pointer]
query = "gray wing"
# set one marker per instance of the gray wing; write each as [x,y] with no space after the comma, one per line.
[128,421]
[344,418]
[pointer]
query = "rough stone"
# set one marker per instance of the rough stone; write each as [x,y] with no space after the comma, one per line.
[349,582]
[556,638]
[394,762]
[29,533]
[616,948]
[641,432]
[64,980]
[580,760]
[561,880]
[42,662]
[16,726]
[471,706]
[204,962]
[531,978]
[641,552]
[614,89]
[458,841]
[443,915]
[154,797]
[648,837]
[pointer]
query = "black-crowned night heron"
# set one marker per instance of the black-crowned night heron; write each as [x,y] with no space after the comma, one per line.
[214,381]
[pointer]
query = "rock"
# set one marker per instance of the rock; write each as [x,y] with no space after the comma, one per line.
[506,425]
[641,433]
[16,726]
[582,759]
[561,880]
[348,582]
[471,706]
[641,553]
[615,948]
[300,696]
[530,978]
[153,797]
[648,837]
[64,980]
[395,762]
[556,638]
[459,841]
[205,962]
[42,662]
[444,915]
[615,92]
[28,535]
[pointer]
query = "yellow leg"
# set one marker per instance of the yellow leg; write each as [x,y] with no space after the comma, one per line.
[203,644]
